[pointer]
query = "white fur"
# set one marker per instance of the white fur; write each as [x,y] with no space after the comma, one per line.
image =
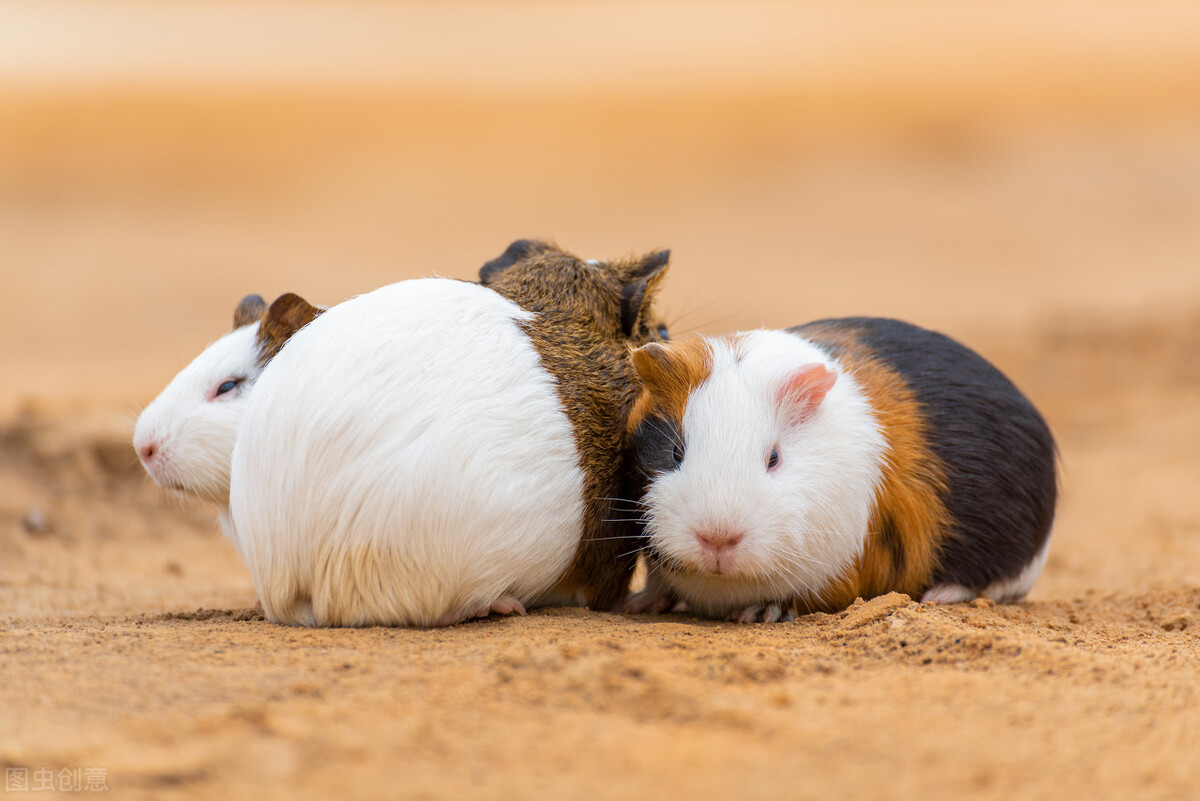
[804,523]
[406,461]
[192,429]
[1014,589]
[948,594]
[1003,591]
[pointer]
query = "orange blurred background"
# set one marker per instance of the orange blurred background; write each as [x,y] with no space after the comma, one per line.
[978,167]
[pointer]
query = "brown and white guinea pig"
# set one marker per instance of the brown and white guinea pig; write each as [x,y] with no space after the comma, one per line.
[792,471]
[586,316]
[437,450]
[185,437]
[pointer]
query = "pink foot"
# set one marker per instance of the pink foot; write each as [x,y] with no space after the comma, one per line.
[765,613]
[648,602]
[504,605]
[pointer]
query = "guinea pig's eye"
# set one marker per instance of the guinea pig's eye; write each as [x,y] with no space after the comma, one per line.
[773,459]
[228,386]
[662,333]
[677,454]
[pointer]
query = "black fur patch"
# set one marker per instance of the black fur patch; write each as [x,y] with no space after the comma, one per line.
[890,539]
[633,296]
[514,253]
[652,446]
[998,452]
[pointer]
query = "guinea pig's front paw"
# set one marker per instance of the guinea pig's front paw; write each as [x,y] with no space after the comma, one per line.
[764,613]
[648,602]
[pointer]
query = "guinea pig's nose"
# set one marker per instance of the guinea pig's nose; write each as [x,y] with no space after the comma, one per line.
[146,452]
[718,539]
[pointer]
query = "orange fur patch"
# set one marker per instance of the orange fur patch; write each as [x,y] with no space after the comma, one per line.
[910,519]
[669,371]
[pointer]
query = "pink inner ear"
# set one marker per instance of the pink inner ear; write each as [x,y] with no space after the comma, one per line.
[804,390]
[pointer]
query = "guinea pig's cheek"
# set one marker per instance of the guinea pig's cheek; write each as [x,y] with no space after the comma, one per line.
[665,526]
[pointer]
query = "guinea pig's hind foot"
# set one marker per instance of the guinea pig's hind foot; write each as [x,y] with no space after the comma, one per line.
[504,605]
[765,613]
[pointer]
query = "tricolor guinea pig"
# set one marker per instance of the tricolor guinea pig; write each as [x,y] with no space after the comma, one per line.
[792,471]
[437,450]
[185,437]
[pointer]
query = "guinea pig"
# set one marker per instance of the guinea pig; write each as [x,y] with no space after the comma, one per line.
[185,437]
[438,450]
[794,471]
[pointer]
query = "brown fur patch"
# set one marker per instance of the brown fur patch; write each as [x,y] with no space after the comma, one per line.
[669,373]
[249,311]
[588,317]
[910,519]
[287,315]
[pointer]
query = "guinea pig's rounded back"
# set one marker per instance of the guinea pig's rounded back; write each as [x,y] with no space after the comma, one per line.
[185,437]
[405,460]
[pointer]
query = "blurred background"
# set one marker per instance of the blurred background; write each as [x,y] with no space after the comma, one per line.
[1023,175]
[978,167]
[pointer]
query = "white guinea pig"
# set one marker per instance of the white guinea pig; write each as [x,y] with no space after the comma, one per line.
[410,457]
[185,437]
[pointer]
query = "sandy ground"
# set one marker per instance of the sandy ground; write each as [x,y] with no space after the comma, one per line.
[1039,201]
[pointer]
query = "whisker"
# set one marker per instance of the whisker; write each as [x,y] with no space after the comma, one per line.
[678,321]
[671,435]
[622,500]
[712,322]
[691,309]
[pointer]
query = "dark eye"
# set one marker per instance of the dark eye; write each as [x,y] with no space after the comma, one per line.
[228,386]
[662,333]
[773,459]
[677,454]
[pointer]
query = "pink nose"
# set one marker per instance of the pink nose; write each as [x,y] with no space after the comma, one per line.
[146,453]
[718,540]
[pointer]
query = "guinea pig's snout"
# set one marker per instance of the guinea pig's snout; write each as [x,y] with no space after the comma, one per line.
[152,451]
[718,546]
[149,449]
[147,452]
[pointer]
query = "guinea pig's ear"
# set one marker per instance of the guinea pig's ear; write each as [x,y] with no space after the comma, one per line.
[287,315]
[642,281]
[249,310]
[652,363]
[803,391]
[671,371]
[521,249]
